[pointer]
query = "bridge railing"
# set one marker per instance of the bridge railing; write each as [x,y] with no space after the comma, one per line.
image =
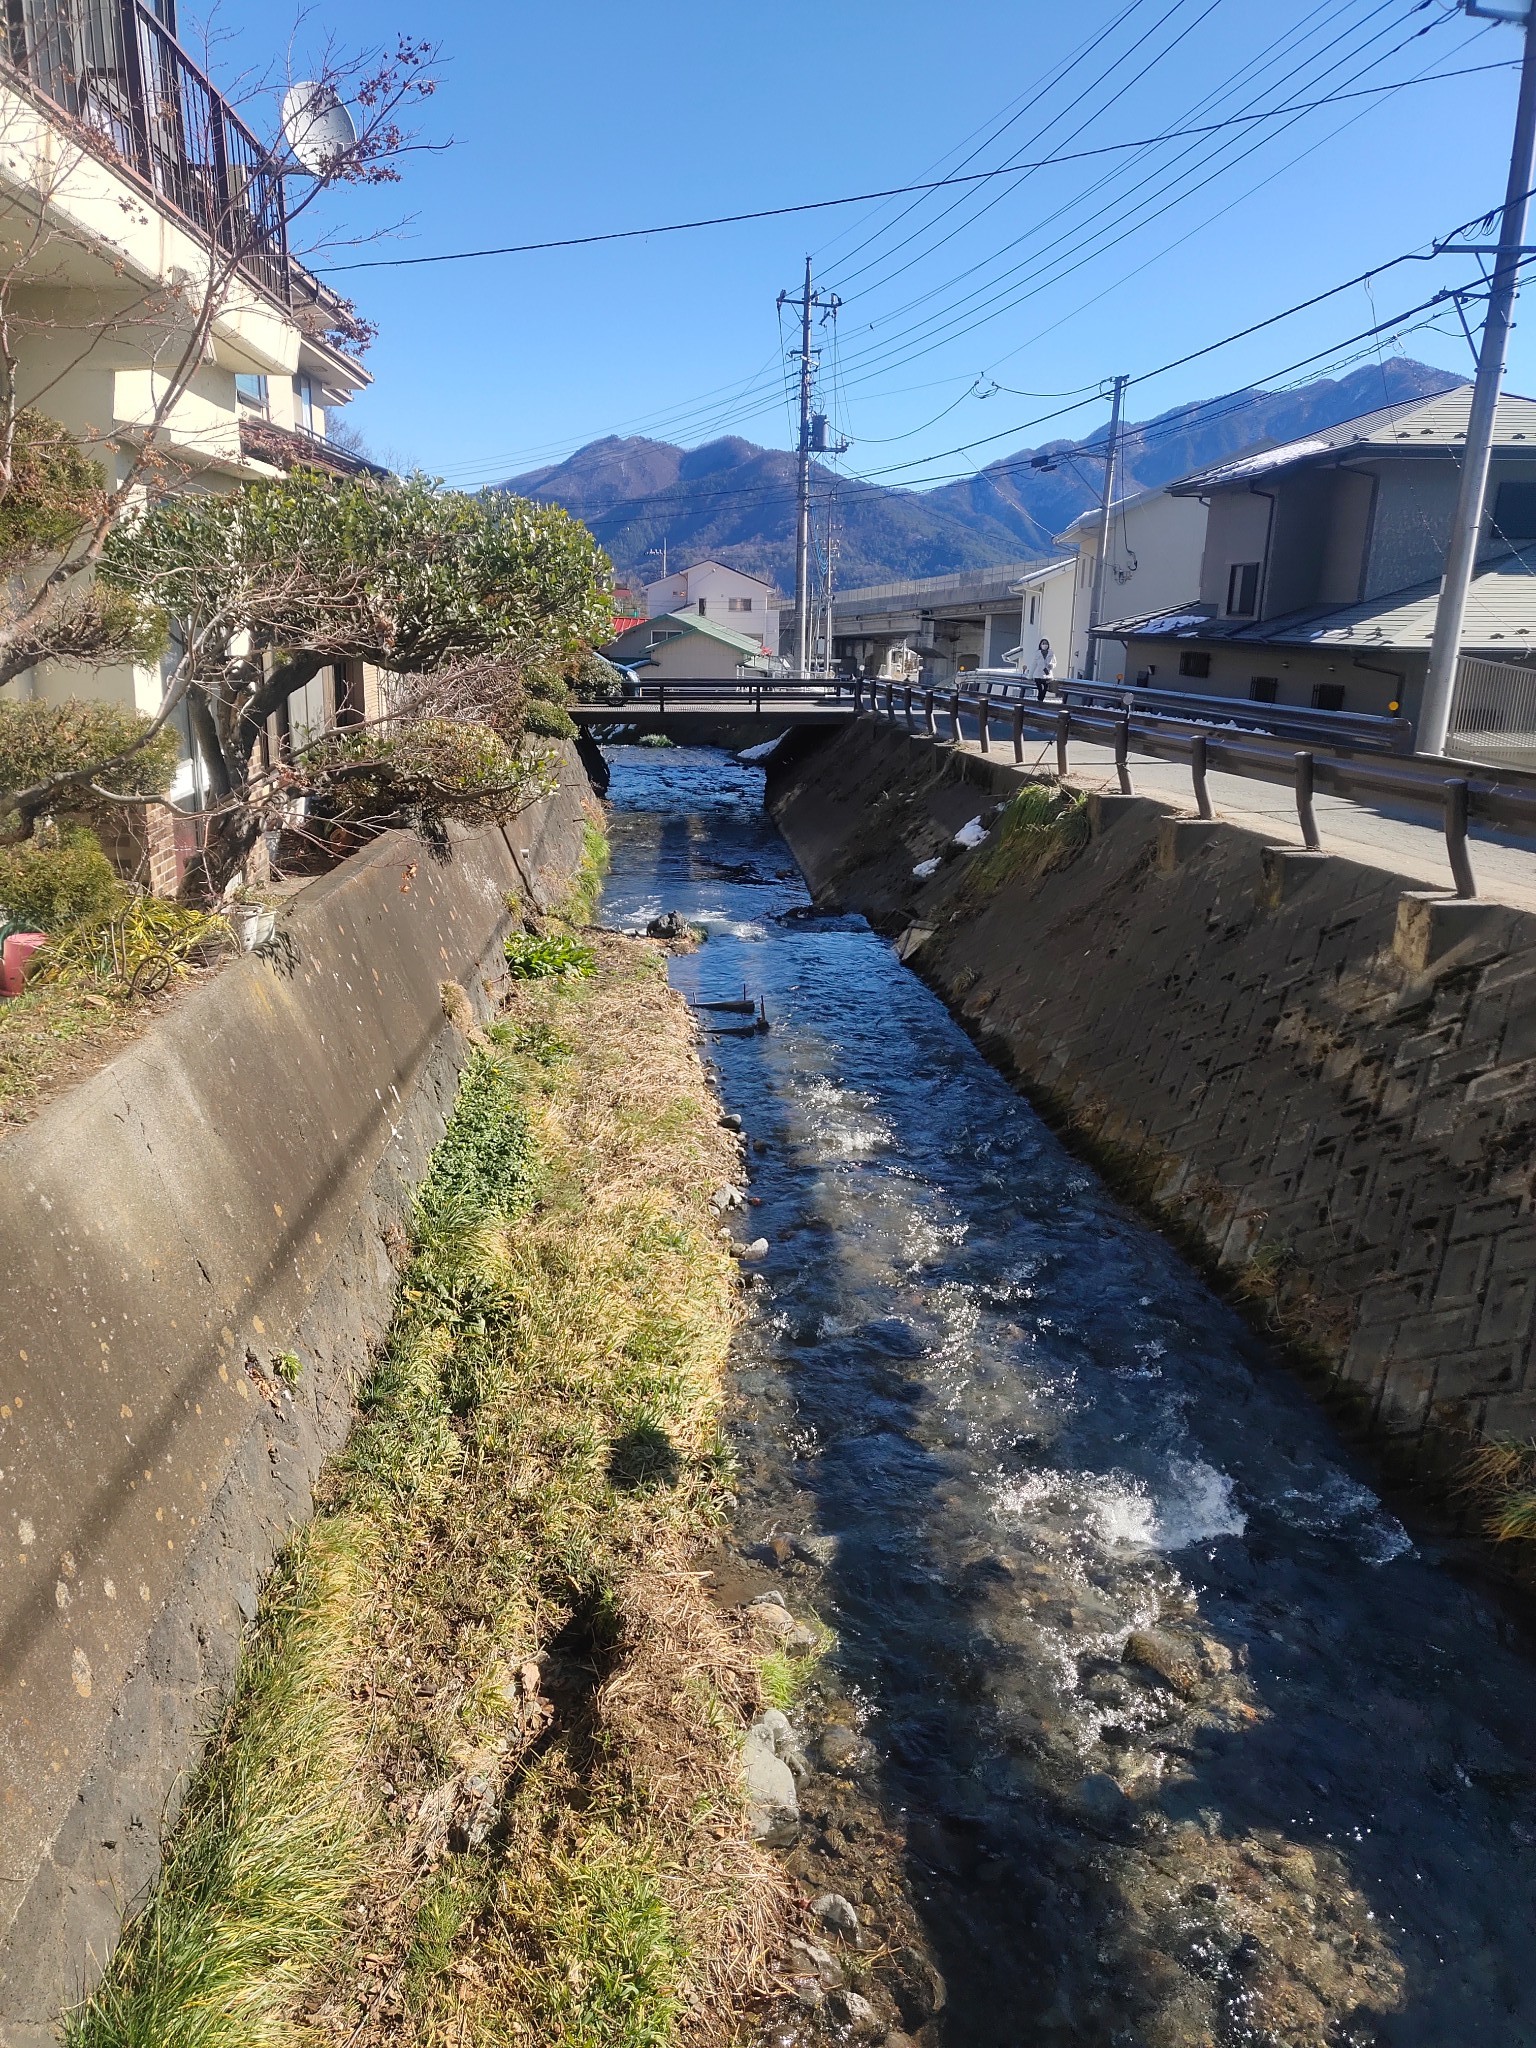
[1419,784]
[749,693]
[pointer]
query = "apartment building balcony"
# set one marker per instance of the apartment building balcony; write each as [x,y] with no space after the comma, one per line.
[298,447]
[133,96]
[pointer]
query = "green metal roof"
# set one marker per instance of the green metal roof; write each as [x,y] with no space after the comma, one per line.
[690,622]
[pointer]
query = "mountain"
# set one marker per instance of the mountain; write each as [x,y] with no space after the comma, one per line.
[734,501]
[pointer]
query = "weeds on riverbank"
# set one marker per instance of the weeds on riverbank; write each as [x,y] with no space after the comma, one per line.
[1499,1478]
[271,1839]
[1039,829]
[536,1710]
[580,905]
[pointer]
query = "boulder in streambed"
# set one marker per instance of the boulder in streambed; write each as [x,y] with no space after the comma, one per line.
[767,1757]
[1183,1662]
[841,1749]
[838,1913]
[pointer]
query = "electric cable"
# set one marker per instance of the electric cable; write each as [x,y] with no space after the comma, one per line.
[850,198]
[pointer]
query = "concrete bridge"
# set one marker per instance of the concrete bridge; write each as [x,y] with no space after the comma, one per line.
[701,709]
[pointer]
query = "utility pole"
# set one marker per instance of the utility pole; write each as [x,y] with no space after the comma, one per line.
[1461,555]
[808,301]
[1106,503]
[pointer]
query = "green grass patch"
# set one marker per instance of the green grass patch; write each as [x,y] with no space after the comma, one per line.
[540,1834]
[580,906]
[539,956]
[1041,828]
[270,1842]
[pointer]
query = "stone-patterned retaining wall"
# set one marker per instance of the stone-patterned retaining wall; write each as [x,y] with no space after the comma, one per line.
[1308,1067]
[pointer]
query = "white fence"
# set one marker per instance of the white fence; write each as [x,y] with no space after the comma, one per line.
[1493,717]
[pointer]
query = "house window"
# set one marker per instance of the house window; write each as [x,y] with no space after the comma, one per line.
[1242,590]
[1034,611]
[304,401]
[1194,665]
[739,604]
[1327,696]
[661,639]
[1263,689]
[701,607]
[1514,512]
[251,391]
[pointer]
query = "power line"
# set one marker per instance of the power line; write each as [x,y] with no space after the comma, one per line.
[1083,251]
[895,191]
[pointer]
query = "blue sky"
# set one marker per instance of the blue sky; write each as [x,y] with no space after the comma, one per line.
[575,120]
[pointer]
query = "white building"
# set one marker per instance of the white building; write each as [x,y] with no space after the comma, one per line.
[1047,595]
[726,597]
[1156,545]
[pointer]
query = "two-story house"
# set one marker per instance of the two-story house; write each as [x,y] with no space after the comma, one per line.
[1323,557]
[688,646]
[743,604]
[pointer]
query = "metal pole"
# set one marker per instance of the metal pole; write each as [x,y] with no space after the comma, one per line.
[1456,837]
[1461,556]
[1101,565]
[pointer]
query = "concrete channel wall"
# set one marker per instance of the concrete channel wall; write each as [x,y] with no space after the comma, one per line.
[232,1187]
[1311,1070]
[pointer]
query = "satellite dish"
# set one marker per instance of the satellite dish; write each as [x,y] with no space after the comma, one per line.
[317,127]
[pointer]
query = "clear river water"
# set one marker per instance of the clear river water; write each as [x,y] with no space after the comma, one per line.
[1189,1742]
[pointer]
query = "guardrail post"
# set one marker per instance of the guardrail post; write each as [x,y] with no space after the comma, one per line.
[1063,734]
[1122,753]
[984,720]
[1197,770]
[759,696]
[954,715]
[1305,777]
[1456,837]
[1018,732]
[929,726]
[661,693]
[906,707]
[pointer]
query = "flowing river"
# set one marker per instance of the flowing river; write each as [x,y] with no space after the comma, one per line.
[1187,1741]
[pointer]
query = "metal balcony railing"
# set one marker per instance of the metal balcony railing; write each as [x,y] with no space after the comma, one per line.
[117,70]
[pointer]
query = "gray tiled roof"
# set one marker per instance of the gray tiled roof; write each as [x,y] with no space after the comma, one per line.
[1501,619]
[1431,425]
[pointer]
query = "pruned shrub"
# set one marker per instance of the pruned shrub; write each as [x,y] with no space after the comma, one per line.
[53,883]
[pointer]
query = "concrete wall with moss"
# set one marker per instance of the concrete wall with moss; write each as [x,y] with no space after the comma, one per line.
[199,1248]
[1315,1075]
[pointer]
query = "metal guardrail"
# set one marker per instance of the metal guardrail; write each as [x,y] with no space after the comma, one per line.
[753,693]
[1504,799]
[117,70]
[1363,730]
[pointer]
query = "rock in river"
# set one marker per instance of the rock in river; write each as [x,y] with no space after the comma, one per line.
[836,1912]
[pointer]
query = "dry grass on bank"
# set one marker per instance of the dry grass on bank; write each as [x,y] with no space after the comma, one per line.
[1499,1479]
[538,1711]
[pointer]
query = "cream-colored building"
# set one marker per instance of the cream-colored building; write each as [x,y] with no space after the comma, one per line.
[727,597]
[1156,544]
[688,646]
[128,186]
[1042,630]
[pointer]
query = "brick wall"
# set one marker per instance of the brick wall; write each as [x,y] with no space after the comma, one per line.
[1310,1070]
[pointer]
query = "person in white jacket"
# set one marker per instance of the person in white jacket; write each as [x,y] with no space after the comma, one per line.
[1044,666]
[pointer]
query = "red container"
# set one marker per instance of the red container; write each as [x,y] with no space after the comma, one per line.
[15,956]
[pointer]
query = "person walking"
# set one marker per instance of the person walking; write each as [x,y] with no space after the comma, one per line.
[1045,669]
